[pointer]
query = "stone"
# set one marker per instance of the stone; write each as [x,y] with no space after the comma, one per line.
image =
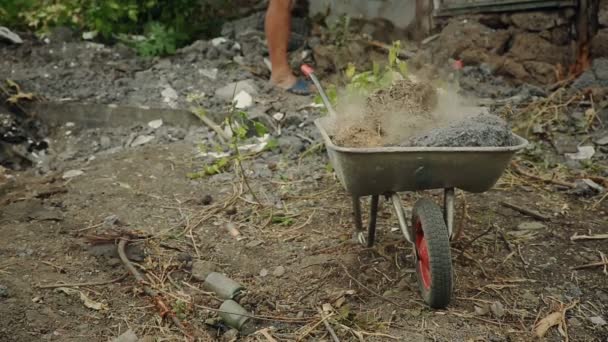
[602,141]
[290,144]
[542,72]
[105,142]
[514,69]
[597,320]
[585,80]
[602,13]
[263,272]
[243,100]
[110,221]
[209,73]
[531,225]
[565,143]
[218,41]
[155,124]
[169,95]
[498,310]
[201,269]
[600,68]
[72,173]
[584,153]
[278,271]
[3,291]
[537,21]
[532,47]
[6,34]
[226,93]
[593,185]
[599,44]
[141,140]
[127,336]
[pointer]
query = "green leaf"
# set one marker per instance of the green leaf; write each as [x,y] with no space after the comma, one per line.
[272,144]
[260,129]
[350,70]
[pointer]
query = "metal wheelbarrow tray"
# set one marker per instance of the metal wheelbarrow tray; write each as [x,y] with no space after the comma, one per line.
[386,171]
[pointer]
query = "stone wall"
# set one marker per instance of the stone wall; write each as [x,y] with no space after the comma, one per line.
[599,43]
[525,46]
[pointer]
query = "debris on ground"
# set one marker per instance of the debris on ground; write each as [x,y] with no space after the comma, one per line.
[8,35]
[127,336]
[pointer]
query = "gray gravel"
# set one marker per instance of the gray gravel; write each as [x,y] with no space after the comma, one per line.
[479,130]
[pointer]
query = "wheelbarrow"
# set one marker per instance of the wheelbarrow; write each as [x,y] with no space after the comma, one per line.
[387,171]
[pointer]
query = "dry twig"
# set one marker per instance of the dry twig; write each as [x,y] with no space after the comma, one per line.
[98,283]
[164,310]
[331,331]
[577,237]
[526,211]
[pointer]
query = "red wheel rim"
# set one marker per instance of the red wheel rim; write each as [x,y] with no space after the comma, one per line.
[422,252]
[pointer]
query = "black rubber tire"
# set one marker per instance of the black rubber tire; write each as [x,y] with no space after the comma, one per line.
[435,231]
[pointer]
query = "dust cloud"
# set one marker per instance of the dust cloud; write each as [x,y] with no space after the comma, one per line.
[393,116]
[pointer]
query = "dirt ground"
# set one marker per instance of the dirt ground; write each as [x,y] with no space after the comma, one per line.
[290,240]
[46,222]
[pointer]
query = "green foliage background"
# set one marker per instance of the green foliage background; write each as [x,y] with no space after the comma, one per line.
[166,24]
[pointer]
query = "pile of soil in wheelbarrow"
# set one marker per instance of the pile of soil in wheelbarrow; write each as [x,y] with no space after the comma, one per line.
[415,114]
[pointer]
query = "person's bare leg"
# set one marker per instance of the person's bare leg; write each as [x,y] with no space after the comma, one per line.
[278,29]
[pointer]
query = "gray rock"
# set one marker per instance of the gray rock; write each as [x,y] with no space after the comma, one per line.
[498,310]
[134,252]
[105,142]
[3,291]
[226,93]
[600,68]
[290,144]
[110,221]
[201,269]
[278,271]
[6,34]
[602,141]
[597,320]
[602,15]
[587,79]
[141,140]
[537,20]
[127,336]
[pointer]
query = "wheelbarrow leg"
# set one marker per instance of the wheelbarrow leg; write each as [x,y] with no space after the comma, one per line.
[358,221]
[371,231]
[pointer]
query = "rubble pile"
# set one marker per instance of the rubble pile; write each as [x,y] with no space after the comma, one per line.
[599,43]
[525,46]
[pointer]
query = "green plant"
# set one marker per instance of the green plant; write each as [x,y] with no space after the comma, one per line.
[159,41]
[361,84]
[166,24]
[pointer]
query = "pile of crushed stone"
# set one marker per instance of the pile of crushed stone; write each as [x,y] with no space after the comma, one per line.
[477,131]
[408,114]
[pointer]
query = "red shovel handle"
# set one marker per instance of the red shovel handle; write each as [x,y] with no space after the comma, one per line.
[307,70]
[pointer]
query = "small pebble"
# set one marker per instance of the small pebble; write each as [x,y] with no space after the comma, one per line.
[279,271]
[206,200]
[3,291]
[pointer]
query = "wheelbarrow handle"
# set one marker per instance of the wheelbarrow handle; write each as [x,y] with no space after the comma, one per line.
[309,72]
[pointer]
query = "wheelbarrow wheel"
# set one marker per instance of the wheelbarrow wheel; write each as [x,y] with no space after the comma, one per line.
[432,252]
